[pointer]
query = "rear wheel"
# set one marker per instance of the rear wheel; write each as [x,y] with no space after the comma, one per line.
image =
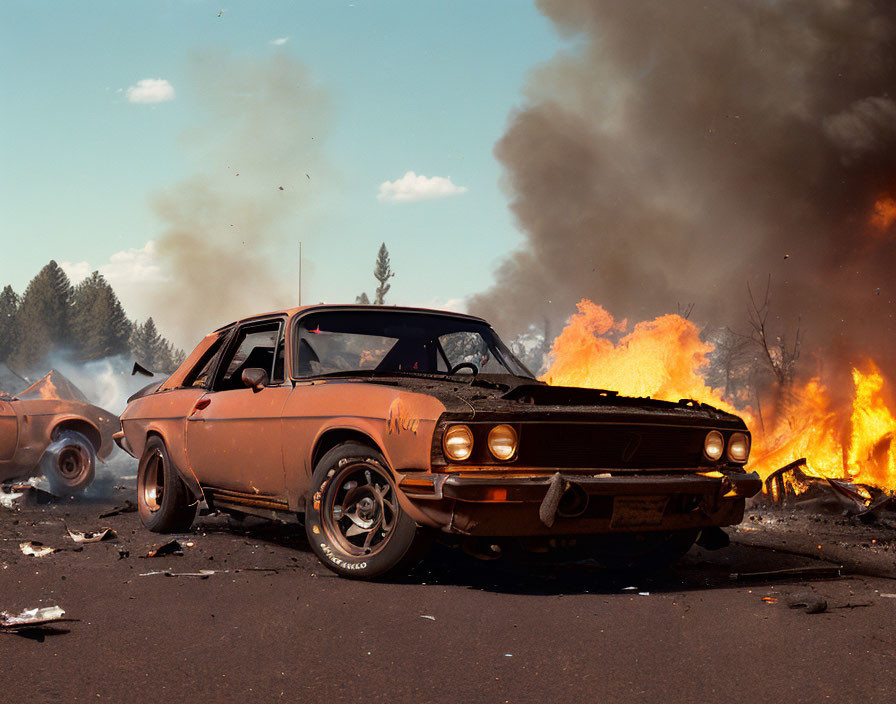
[353,519]
[164,503]
[69,463]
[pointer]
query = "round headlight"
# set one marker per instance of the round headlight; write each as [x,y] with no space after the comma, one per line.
[714,445]
[458,442]
[738,447]
[502,442]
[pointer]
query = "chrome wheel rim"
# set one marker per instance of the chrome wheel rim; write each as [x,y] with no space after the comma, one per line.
[152,482]
[71,462]
[360,509]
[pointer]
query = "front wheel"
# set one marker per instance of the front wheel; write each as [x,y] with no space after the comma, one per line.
[353,520]
[164,503]
[69,463]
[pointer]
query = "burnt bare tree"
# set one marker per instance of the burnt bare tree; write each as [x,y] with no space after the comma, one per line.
[780,353]
[685,311]
[733,363]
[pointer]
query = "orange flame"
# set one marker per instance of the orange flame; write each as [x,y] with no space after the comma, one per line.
[663,358]
[884,213]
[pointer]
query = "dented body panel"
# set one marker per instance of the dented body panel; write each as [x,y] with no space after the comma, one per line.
[30,421]
[588,461]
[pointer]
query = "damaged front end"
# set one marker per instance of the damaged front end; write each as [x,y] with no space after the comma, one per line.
[631,465]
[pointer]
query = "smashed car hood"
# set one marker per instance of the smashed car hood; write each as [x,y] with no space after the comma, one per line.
[528,397]
[53,386]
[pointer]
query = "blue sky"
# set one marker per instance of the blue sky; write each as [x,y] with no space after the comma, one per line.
[420,86]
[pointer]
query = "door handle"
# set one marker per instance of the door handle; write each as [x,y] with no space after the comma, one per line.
[200,405]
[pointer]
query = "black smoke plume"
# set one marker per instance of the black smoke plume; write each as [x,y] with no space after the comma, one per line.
[680,150]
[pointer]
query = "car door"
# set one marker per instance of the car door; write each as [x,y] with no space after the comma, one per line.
[234,432]
[9,430]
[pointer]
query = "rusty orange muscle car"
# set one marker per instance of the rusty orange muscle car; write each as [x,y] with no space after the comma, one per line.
[51,428]
[380,427]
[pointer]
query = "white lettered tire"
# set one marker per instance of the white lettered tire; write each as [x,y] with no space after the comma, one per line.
[353,520]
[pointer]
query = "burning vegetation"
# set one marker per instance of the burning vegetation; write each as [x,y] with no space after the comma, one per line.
[847,436]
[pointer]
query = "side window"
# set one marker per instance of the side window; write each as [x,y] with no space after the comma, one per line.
[255,346]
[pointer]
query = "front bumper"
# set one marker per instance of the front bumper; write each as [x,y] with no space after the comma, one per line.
[122,442]
[573,503]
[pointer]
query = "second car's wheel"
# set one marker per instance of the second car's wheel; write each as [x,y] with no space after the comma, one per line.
[69,463]
[164,503]
[353,519]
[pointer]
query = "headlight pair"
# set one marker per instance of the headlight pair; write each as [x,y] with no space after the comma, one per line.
[738,446]
[458,442]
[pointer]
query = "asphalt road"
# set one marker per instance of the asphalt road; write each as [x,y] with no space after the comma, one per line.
[270,622]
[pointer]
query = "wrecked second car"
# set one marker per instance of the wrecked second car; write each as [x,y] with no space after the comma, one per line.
[52,429]
[381,426]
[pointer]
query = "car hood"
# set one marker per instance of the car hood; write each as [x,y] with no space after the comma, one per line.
[499,396]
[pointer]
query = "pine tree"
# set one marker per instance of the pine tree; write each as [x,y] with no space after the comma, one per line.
[152,350]
[99,325]
[9,306]
[43,318]
[382,272]
[362,299]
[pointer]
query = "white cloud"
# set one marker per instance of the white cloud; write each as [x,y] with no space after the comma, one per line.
[280,41]
[75,271]
[412,187]
[129,266]
[133,273]
[150,90]
[133,266]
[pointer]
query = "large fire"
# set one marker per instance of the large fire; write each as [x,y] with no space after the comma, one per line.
[663,358]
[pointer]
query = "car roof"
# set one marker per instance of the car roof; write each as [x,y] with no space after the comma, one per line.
[354,307]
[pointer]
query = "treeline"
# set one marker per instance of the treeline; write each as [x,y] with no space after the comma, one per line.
[82,323]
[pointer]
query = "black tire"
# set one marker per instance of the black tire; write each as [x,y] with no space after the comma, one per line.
[375,537]
[652,551]
[163,500]
[69,463]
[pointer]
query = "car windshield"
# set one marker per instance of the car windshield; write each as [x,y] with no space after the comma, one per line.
[370,341]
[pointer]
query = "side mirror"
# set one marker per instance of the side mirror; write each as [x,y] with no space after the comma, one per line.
[255,378]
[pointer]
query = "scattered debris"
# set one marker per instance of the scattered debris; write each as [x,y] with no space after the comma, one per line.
[770,600]
[129,507]
[30,618]
[793,482]
[809,571]
[18,495]
[172,547]
[889,596]
[35,549]
[91,536]
[431,618]
[8,499]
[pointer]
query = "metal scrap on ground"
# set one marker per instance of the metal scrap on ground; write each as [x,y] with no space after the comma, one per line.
[794,481]
[172,547]
[30,618]
[809,571]
[35,549]
[91,536]
[129,507]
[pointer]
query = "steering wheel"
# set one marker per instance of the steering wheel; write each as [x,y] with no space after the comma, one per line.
[457,367]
